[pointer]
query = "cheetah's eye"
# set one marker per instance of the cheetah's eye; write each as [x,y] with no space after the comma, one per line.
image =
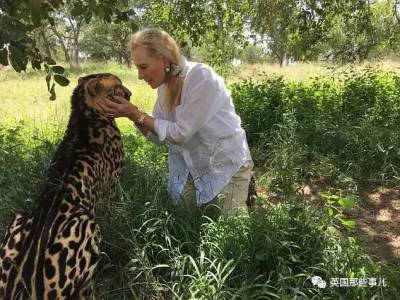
[111,93]
[119,91]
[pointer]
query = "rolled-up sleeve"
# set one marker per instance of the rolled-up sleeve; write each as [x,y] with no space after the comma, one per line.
[201,99]
[160,127]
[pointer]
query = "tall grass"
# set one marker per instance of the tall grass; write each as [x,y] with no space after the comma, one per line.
[152,249]
[25,100]
[327,127]
[303,71]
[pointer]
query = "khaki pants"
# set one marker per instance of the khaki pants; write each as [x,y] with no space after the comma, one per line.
[232,199]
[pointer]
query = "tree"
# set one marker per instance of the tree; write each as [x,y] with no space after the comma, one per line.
[45,40]
[345,30]
[67,29]
[18,20]
[216,24]
[353,34]
[106,41]
[300,28]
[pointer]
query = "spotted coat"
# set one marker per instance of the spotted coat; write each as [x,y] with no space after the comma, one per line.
[52,252]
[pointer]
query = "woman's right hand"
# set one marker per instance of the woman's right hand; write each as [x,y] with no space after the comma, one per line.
[119,107]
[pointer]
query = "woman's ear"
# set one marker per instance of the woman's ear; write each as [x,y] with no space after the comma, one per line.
[165,61]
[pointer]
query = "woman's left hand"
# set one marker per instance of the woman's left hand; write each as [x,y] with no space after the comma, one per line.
[119,107]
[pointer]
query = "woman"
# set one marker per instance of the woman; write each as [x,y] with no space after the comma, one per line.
[195,116]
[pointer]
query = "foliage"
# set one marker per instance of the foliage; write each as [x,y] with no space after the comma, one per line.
[154,250]
[336,205]
[216,32]
[368,32]
[217,26]
[19,181]
[298,29]
[253,54]
[19,19]
[349,122]
[103,41]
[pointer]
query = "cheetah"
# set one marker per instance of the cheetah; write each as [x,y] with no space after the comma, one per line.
[52,252]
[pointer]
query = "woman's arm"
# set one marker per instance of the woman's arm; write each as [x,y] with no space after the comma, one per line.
[121,107]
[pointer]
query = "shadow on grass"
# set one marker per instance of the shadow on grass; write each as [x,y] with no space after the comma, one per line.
[154,250]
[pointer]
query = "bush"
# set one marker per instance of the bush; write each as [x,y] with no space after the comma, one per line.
[350,121]
[154,250]
[24,159]
[253,54]
[276,252]
[345,128]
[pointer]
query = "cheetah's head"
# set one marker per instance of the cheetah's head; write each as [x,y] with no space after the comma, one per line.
[96,86]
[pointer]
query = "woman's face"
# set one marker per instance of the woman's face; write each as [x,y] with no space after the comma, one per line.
[150,68]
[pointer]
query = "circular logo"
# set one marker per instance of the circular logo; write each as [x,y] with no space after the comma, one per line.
[318,281]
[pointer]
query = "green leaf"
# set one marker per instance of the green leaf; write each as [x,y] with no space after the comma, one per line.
[16,31]
[380,148]
[58,69]
[51,21]
[56,3]
[3,57]
[294,212]
[77,11]
[61,80]
[53,95]
[347,202]
[88,17]
[17,59]
[328,196]
[348,223]
[330,212]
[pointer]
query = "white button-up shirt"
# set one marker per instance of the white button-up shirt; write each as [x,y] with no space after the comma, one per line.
[203,133]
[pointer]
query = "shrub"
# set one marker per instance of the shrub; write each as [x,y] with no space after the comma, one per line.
[350,121]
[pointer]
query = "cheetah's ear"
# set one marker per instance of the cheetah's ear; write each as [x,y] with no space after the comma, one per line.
[93,86]
[81,80]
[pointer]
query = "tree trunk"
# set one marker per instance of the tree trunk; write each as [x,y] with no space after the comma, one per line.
[46,44]
[75,38]
[63,47]
[283,61]
[76,55]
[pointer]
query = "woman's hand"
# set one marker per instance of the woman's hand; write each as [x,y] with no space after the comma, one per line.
[119,107]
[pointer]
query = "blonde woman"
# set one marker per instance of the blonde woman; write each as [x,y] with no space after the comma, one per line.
[209,160]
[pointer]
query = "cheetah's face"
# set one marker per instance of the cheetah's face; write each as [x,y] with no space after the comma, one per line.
[96,86]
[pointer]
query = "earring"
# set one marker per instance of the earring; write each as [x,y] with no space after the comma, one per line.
[175,69]
[167,69]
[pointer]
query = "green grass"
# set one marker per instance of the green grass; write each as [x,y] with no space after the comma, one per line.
[341,128]
[304,71]
[25,99]
[154,250]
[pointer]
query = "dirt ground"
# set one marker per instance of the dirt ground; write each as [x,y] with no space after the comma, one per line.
[378,220]
[377,217]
